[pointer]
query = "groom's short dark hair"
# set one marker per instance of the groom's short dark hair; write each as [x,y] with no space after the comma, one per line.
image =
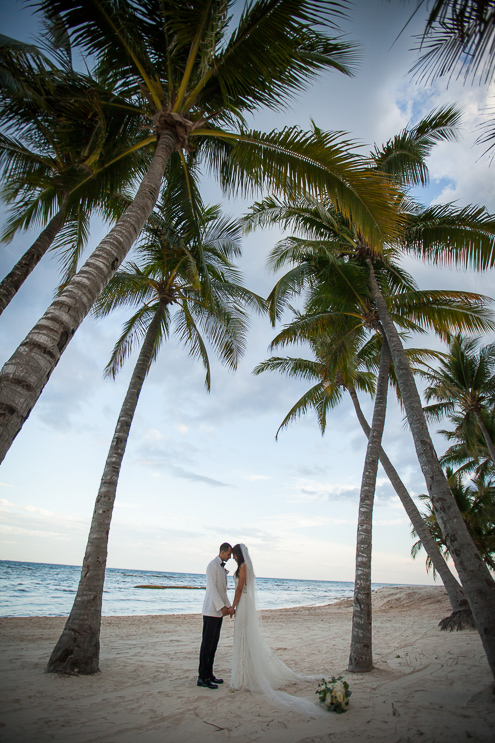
[225,546]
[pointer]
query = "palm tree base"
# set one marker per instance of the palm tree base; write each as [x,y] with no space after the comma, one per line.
[457,621]
[361,668]
[75,654]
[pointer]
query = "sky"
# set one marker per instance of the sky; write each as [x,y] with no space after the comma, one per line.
[204,468]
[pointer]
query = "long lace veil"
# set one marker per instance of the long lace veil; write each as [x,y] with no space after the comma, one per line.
[267,673]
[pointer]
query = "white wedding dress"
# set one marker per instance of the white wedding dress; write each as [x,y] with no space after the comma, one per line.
[254,665]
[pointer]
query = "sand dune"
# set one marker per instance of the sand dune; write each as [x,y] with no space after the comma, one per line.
[427,685]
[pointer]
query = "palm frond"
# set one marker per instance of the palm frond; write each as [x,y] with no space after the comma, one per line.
[312,162]
[404,156]
[459,37]
[445,235]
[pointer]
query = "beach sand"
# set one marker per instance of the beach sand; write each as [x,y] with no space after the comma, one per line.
[427,685]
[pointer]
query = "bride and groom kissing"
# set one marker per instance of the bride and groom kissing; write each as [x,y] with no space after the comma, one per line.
[255,667]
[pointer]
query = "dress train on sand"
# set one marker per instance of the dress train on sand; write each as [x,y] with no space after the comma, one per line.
[255,666]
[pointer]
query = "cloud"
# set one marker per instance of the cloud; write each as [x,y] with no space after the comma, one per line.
[255,478]
[155,435]
[39,522]
[390,522]
[294,521]
[182,473]
[165,454]
[195,477]
[33,533]
[314,471]
[308,490]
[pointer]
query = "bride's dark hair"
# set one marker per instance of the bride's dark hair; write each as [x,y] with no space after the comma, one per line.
[237,552]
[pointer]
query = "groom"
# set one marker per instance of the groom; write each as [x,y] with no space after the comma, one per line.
[215,607]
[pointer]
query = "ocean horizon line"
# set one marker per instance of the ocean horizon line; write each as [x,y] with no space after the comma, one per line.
[178,572]
[33,589]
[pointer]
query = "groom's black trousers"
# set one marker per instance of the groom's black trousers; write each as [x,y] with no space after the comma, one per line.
[211,635]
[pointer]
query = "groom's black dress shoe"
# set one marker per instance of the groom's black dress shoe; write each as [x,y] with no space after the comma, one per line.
[216,681]
[208,683]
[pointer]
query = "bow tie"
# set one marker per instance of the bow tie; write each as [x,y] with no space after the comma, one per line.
[222,564]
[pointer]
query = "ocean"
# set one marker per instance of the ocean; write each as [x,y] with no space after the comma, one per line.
[29,589]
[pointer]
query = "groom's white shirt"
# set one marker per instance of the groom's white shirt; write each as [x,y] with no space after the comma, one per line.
[216,589]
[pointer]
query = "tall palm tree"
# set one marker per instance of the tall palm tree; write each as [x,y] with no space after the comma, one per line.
[361,652]
[191,76]
[476,580]
[440,237]
[65,149]
[463,384]
[472,239]
[339,291]
[335,372]
[462,237]
[184,280]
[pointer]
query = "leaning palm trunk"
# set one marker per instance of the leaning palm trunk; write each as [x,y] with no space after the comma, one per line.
[24,376]
[15,279]
[361,656]
[78,649]
[454,590]
[476,580]
[486,435]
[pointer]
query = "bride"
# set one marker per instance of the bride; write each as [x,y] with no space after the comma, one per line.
[254,665]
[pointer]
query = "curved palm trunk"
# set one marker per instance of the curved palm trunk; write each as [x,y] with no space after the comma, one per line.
[476,580]
[454,590]
[11,284]
[486,435]
[24,376]
[78,648]
[361,657]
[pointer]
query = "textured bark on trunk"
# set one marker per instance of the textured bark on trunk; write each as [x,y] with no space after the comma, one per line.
[78,648]
[486,435]
[455,593]
[24,376]
[361,655]
[15,279]
[475,577]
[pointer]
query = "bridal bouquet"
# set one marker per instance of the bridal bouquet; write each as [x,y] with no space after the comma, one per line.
[334,694]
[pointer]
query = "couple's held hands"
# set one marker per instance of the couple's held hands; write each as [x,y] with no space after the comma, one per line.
[228,610]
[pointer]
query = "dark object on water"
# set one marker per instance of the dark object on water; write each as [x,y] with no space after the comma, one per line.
[190,587]
[458,621]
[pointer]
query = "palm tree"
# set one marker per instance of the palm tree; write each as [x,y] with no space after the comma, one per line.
[341,365]
[183,279]
[469,241]
[464,384]
[190,85]
[473,239]
[339,291]
[476,580]
[476,502]
[65,149]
